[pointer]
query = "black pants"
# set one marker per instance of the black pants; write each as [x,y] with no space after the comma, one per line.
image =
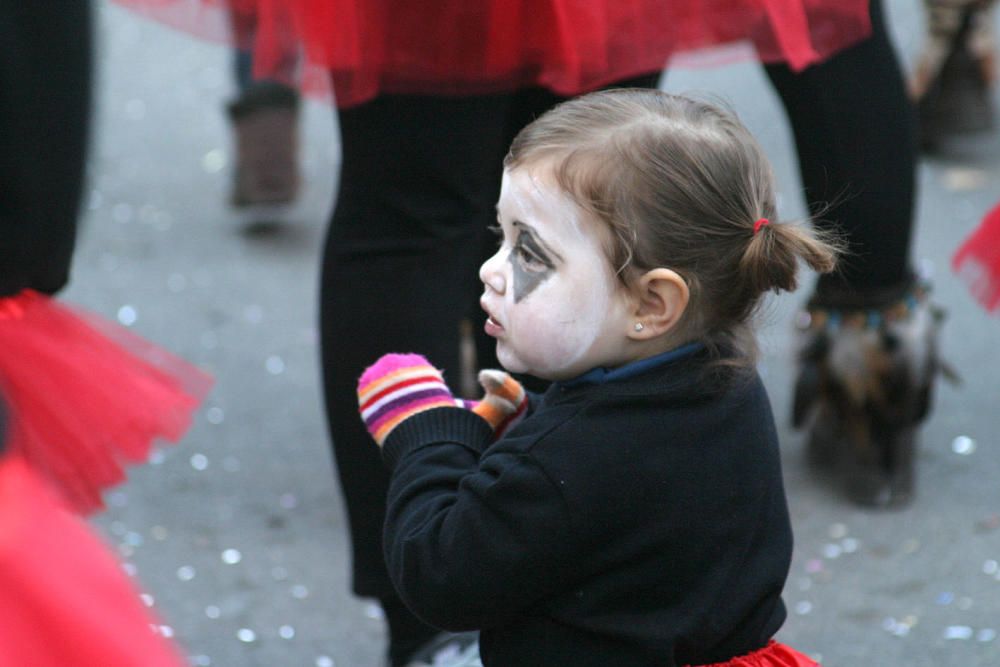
[855,133]
[45,59]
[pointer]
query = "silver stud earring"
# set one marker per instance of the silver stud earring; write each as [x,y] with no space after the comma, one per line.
[638,326]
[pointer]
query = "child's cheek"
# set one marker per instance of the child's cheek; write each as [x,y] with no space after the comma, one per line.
[557,326]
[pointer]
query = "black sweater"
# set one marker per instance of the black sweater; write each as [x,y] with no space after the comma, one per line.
[633,521]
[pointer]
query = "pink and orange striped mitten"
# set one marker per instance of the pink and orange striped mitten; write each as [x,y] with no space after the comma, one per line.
[396,387]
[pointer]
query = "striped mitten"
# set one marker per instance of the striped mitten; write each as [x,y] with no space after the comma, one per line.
[396,387]
[505,402]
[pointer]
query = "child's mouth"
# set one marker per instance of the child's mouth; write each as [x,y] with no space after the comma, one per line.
[492,327]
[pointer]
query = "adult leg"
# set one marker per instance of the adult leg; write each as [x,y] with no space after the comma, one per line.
[45,77]
[417,191]
[869,357]
[855,136]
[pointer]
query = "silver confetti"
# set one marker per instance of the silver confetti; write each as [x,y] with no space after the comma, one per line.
[201,661]
[215,415]
[324,661]
[991,567]
[127,315]
[803,607]
[286,632]
[299,591]
[231,556]
[832,551]
[275,365]
[214,161]
[958,632]
[963,445]
[199,461]
[986,635]
[246,635]
[213,612]
[185,573]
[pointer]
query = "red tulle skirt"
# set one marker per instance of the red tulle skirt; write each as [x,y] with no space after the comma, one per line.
[775,654]
[977,261]
[465,47]
[64,598]
[84,397]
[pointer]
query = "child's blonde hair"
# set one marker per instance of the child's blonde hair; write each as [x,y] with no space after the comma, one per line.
[681,184]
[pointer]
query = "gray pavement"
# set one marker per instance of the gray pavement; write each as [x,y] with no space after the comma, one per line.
[238,533]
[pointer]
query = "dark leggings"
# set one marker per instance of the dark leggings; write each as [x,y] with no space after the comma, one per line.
[44,122]
[854,131]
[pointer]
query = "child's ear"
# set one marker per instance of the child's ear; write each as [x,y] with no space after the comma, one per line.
[661,296]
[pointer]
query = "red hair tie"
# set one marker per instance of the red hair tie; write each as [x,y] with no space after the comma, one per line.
[760,223]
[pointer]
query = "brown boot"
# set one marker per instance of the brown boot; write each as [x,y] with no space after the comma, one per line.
[265,123]
[865,384]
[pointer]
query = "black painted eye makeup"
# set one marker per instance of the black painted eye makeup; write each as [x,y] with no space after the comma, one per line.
[531,251]
[532,263]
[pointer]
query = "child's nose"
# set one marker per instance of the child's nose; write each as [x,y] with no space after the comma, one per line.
[491,273]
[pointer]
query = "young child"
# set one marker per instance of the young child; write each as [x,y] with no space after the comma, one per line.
[635,514]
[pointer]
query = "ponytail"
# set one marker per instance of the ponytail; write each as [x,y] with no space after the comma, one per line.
[770,260]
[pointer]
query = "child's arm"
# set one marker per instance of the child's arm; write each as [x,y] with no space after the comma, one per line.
[469,541]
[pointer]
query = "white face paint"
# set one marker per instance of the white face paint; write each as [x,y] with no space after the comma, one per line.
[554,304]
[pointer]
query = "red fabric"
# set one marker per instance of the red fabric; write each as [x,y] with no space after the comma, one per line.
[85,396]
[977,261]
[64,599]
[775,654]
[463,47]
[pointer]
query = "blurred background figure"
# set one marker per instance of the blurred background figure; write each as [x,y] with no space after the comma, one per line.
[264,117]
[80,398]
[956,71]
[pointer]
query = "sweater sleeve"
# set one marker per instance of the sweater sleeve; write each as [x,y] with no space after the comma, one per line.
[470,542]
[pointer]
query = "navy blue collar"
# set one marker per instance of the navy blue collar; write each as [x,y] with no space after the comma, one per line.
[602,375]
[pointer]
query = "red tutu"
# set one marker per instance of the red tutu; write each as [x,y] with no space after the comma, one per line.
[977,261]
[64,599]
[463,47]
[85,396]
[775,654]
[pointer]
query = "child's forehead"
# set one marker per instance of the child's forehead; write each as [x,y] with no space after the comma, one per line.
[535,185]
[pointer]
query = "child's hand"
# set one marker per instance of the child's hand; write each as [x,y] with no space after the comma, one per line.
[505,402]
[396,387]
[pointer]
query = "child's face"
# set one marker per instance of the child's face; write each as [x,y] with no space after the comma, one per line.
[554,304]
